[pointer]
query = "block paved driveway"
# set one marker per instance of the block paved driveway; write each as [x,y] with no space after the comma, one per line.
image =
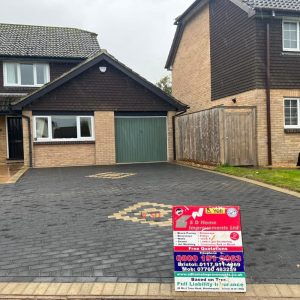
[54,224]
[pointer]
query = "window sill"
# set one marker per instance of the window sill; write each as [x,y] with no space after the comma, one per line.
[292,130]
[290,53]
[64,143]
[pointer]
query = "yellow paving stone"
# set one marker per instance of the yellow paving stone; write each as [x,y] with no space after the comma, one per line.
[9,288]
[284,290]
[74,289]
[31,287]
[260,290]
[41,288]
[131,289]
[142,289]
[86,289]
[119,289]
[18,290]
[97,289]
[250,292]
[295,288]
[108,289]
[2,286]
[52,289]
[154,289]
[272,290]
[64,289]
[165,289]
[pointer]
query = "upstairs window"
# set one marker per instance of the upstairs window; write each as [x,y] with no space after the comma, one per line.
[25,74]
[63,128]
[292,113]
[291,36]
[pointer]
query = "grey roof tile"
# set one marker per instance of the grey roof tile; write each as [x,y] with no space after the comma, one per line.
[292,5]
[45,41]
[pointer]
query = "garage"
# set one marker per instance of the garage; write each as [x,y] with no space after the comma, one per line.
[141,138]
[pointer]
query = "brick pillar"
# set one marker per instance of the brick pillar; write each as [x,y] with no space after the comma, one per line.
[105,138]
[3,140]
[170,135]
[26,137]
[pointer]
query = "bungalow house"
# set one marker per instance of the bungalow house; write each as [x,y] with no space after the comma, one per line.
[66,102]
[243,53]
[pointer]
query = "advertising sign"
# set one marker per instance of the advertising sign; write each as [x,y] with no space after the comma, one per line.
[208,249]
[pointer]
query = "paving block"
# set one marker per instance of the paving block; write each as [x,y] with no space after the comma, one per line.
[97,289]
[108,289]
[119,289]
[74,289]
[142,289]
[284,290]
[131,289]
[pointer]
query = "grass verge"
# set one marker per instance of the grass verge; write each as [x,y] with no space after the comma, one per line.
[285,178]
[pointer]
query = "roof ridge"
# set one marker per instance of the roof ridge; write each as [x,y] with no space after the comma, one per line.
[49,26]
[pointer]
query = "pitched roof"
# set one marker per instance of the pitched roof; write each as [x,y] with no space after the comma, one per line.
[102,55]
[290,5]
[45,41]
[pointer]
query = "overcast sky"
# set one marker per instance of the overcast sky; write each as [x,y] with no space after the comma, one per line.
[137,32]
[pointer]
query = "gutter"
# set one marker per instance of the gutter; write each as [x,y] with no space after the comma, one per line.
[268,95]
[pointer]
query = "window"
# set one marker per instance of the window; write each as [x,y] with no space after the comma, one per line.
[63,128]
[25,74]
[292,113]
[291,36]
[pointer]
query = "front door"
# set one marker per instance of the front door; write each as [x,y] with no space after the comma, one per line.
[15,138]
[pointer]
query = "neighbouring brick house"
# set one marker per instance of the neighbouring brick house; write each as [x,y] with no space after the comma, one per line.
[243,53]
[66,102]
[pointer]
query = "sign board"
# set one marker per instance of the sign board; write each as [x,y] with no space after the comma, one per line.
[208,249]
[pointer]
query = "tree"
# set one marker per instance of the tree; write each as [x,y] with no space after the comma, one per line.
[165,84]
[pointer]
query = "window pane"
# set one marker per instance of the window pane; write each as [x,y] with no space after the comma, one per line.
[85,127]
[12,73]
[64,127]
[42,128]
[41,73]
[291,112]
[290,37]
[26,74]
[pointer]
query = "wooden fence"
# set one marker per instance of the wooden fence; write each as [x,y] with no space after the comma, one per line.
[222,135]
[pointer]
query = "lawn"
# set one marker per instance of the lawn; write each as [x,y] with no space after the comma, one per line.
[286,178]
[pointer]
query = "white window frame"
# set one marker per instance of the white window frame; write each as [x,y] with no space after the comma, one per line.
[291,126]
[51,139]
[19,74]
[298,35]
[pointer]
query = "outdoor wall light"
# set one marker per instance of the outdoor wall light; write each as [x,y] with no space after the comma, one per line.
[102,69]
[234,100]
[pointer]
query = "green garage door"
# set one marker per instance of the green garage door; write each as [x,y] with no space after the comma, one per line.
[141,139]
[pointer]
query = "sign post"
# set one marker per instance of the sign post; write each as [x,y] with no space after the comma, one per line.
[208,249]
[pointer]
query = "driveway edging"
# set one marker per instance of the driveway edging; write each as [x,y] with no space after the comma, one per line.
[16,290]
[265,185]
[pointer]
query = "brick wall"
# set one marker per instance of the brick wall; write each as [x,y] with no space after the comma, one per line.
[3,143]
[26,137]
[170,136]
[191,73]
[285,146]
[63,155]
[102,152]
[105,137]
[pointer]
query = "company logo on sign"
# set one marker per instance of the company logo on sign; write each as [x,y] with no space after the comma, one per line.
[198,213]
